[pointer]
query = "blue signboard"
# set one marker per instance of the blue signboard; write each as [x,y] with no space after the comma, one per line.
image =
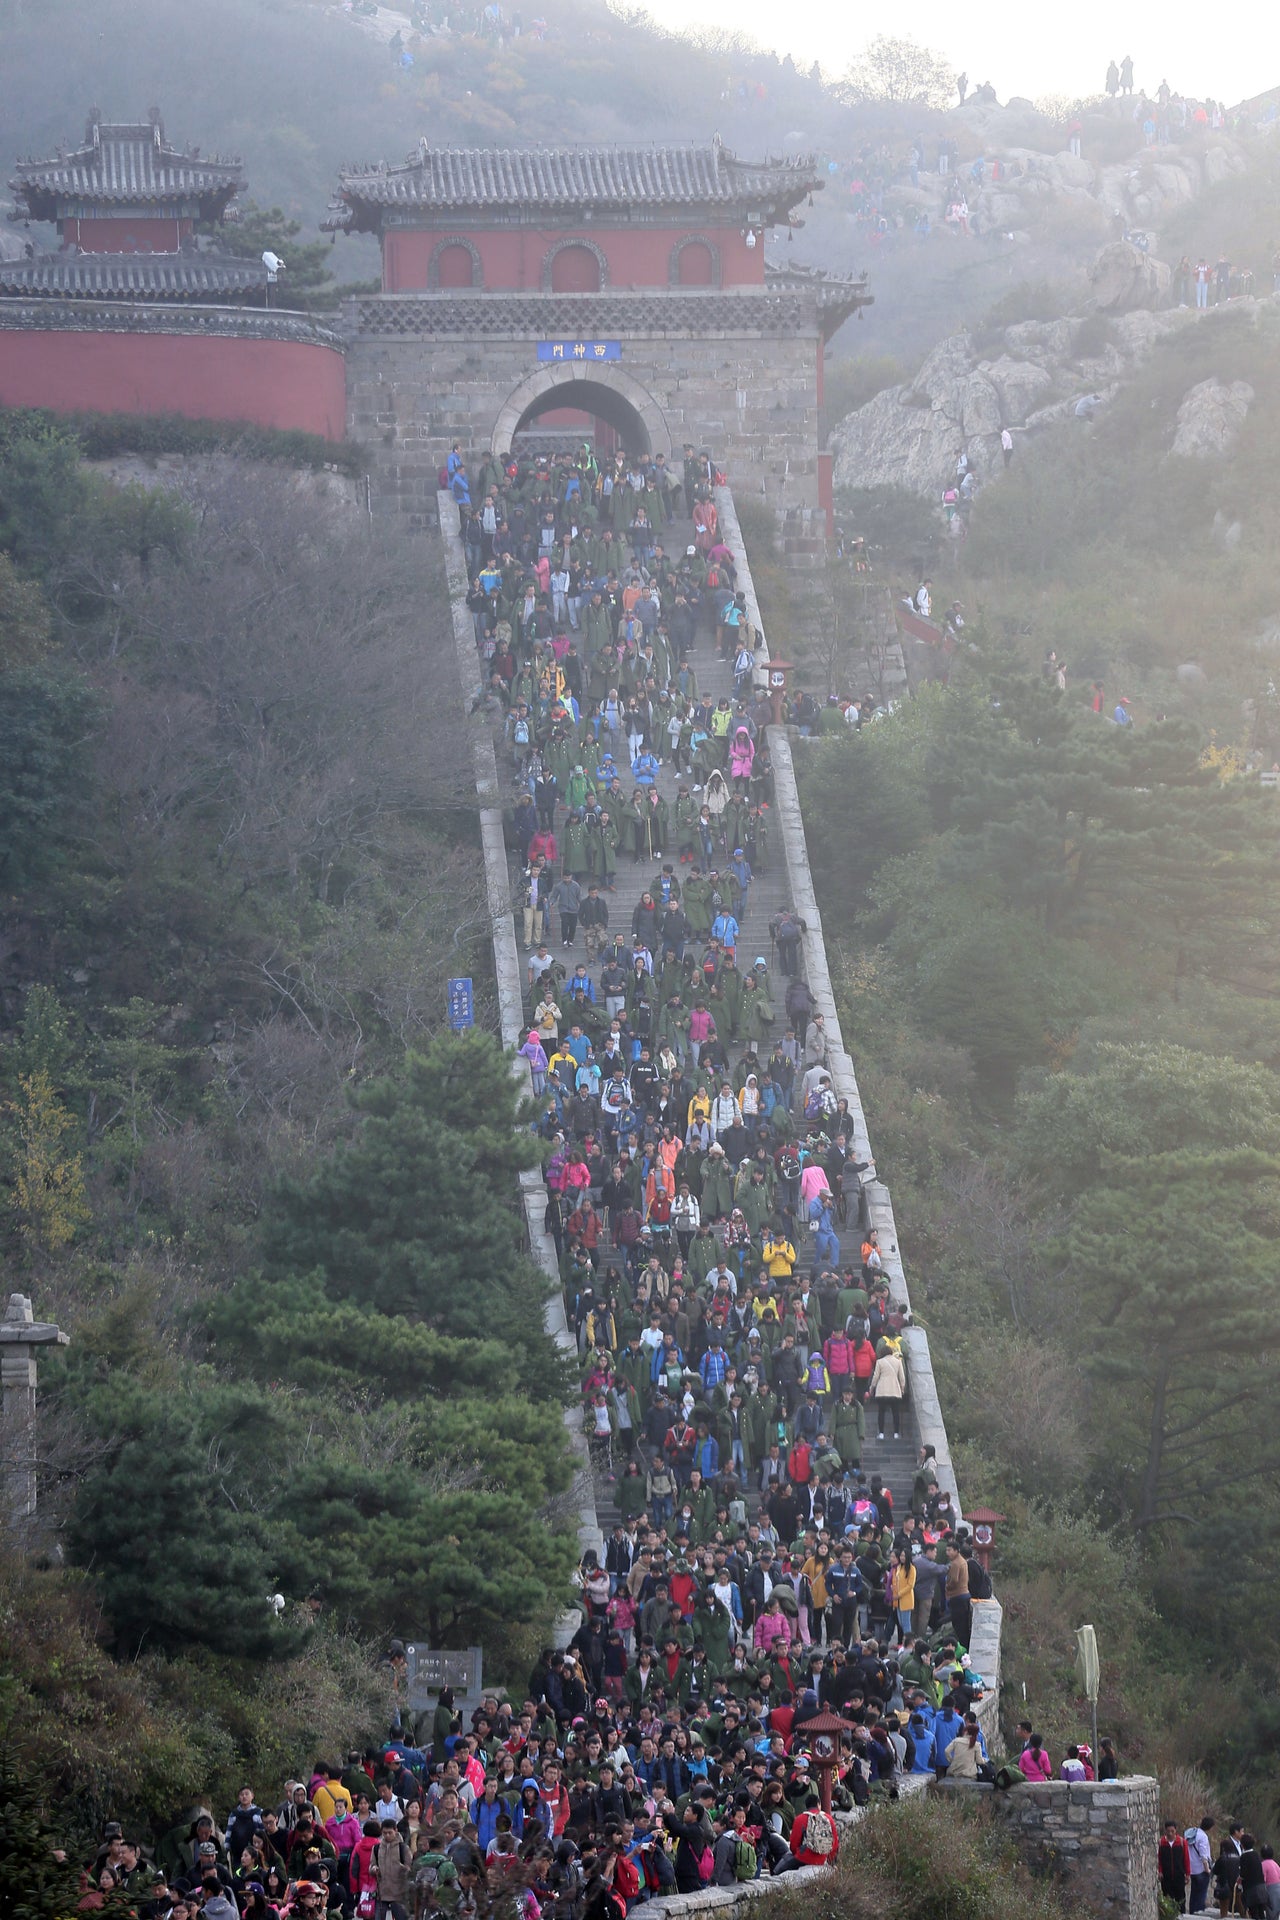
[461,1005]
[580,350]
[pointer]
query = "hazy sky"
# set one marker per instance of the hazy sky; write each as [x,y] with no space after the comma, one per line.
[1230,51]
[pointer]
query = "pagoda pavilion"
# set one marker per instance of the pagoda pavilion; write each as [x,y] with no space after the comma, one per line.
[126,205]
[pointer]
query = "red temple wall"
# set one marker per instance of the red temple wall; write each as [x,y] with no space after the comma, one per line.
[274,383]
[126,235]
[512,257]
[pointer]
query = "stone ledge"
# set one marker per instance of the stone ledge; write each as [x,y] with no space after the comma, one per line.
[723,1900]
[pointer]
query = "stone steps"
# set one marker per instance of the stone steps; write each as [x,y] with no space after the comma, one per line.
[895,1461]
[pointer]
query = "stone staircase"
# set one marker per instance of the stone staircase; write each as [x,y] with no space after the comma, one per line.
[894,1460]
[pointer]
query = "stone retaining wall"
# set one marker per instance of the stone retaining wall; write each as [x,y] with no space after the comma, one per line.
[1098,1839]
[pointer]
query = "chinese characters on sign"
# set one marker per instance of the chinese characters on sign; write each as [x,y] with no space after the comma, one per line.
[461,1005]
[429,1669]
[579,350]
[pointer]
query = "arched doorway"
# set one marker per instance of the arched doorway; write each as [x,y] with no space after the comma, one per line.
[695,267]
[455,267]
[576,269]
[557,406]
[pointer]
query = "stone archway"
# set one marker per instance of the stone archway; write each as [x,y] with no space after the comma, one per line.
[603,389]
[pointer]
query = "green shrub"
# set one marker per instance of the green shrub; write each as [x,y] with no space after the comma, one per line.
[925,1858]
[107,436]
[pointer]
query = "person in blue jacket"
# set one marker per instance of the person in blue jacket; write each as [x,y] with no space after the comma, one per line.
[922,1736]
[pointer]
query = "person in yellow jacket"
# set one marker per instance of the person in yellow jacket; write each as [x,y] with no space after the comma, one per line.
[814,1571]
[779,1256]
[330,1797]
[902,1590]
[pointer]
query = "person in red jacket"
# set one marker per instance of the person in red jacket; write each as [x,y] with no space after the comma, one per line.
[814,1840]
[359,1868]
[1173,1863]
[864,1365]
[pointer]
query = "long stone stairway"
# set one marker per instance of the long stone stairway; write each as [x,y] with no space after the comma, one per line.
[894,1460]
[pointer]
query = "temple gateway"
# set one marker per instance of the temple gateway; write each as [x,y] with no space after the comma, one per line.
[613,293]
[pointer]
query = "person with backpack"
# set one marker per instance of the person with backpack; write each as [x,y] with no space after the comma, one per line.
[391,1872]
[1200,1850]
[814,1840]
[979,1579]
[695,1855]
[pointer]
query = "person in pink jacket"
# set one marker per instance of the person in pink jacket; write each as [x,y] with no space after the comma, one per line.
[837,1351]
[1034,1761]
[772,1625]
[742,755]
[344,1830]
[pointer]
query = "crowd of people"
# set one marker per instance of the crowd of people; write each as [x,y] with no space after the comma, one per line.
[1243,1877]
[563,1803]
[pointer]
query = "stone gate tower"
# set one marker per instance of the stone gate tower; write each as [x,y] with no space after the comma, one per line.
[625,289]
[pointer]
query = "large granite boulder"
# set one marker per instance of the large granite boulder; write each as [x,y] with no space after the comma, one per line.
[1210,418]
[1124,277]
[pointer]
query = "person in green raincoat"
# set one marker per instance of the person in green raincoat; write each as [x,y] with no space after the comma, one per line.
[848,1425]
[442,1724]
[602,849]
[673,1026]
[717,1184]
[634,828]
[729,983]
[697,904]
[578,787]
[576,851]
[560,754]
[671,976]
[713,1625]
[752,1196]
[656,809]
[686,823]
[757,1012]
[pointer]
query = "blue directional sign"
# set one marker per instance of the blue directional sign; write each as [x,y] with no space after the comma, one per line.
[579,351]
[461,1005]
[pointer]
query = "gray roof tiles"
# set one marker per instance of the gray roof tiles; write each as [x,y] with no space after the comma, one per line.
[561,176]
[126,163]
[131,276]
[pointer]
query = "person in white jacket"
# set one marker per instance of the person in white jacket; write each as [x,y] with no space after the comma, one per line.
[888,1389]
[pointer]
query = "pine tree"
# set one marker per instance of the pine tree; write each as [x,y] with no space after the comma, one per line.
[39,1885]
[419,1214]
[1172,1260]
[307,279]
[168,1523]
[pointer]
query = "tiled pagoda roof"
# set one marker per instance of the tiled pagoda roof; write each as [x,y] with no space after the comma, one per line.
[125,164]
[461,180]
